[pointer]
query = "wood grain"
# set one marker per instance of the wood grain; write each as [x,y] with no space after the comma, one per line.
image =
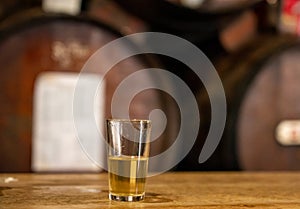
[169,190]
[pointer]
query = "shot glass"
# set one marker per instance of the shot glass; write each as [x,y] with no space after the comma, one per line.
[128,154]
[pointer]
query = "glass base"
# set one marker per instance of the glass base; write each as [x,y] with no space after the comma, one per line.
[126,198]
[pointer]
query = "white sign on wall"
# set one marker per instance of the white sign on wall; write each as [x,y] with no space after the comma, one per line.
[55,146]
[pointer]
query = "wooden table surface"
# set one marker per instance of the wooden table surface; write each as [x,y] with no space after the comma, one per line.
[170,190]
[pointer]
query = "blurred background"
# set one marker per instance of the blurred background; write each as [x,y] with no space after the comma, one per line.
[254,46]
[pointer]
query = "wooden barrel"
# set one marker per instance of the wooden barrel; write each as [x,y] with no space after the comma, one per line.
[8,7]
[261,84]
[32,43]
[262,93]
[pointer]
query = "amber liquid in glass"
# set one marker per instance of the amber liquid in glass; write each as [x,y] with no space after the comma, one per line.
[127,177]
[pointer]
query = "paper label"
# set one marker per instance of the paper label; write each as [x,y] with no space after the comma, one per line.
[72,7]
[56,146]
[290,17]
[288,132]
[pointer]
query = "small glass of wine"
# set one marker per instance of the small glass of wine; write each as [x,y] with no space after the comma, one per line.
[128,153]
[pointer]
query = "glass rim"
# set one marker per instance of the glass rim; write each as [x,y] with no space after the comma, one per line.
[127,120]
